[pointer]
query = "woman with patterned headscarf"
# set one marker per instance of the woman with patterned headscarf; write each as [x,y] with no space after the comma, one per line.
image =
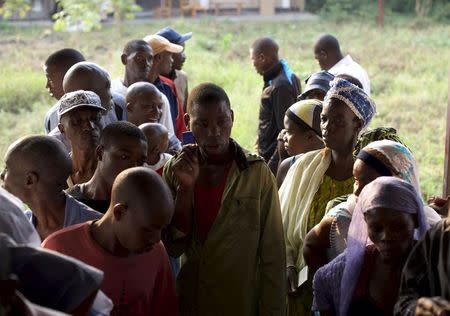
[379,158]
[320,176]
[388,217]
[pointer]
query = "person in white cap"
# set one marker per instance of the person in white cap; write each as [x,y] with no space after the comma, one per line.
[162,64]
[177,75]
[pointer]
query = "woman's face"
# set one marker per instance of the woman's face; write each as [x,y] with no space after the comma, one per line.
[363,174]
[339,125]
[295,140]
[391,231]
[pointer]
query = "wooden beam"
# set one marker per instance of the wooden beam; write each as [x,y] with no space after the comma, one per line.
[447,147]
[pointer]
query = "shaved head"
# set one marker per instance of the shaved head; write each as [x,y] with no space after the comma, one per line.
[42,153]
[142,185]
[327,51]
[34,162]
[91,77]
[140,89]
[153,131]
[266,46]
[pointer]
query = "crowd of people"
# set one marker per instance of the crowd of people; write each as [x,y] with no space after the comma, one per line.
[137,201]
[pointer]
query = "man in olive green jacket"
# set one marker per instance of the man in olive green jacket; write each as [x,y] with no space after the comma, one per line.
[227,218]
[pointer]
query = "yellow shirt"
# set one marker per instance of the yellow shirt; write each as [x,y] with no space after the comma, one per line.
[240,269]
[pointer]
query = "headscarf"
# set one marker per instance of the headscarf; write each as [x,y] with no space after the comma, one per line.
[306,114]
[383,192]
[355,98]
[394,157]
[372,135]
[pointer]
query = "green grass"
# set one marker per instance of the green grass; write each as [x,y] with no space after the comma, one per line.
[407,63]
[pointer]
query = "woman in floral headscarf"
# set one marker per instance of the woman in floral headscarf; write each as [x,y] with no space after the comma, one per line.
[320,176]
[388,217]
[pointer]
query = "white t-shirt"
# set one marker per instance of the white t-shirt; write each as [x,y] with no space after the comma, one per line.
[14,222]
[347,66]
[166,118]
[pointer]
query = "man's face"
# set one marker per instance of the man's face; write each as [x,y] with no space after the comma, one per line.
[82,127]
[166,62]
[13,177]
[146,109]
[211,125]
[321,57]
[139,63]
[258,61]
[178,59]
[54,84]
[122,153]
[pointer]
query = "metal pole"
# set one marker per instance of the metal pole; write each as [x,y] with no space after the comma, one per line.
[447,147]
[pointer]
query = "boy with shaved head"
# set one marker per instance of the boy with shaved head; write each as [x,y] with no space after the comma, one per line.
[145,105]
[36,171]
[55,68]
[126,245]
[280,91]
[328,55]
[122,145]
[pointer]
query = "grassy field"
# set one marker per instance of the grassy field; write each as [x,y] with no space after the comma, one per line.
[407,62]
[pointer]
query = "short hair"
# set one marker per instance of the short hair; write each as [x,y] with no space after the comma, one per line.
[266,46]
[351,79]
[42,151]
[120,129]
[134,45]
[65,58]
[205,94]
[328,43]
[92,70]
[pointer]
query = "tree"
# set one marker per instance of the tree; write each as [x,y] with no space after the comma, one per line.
[80,15]
[423,7]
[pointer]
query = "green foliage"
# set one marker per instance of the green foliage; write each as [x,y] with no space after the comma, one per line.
[80,15]
[86,15]
[11,8]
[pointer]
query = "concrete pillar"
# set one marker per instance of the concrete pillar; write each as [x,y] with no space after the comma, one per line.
[267,7]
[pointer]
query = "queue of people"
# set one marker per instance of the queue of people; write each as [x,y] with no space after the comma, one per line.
[326,218]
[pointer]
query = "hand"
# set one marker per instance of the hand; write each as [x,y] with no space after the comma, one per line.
[432,306]
[292,279]
[186,166]
[440,205]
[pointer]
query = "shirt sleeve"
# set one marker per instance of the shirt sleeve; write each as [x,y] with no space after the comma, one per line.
[272,249]
[282,99]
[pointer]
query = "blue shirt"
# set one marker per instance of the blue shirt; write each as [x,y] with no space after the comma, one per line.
[74,213]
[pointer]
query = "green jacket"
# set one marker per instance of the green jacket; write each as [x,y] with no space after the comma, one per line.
[240,269]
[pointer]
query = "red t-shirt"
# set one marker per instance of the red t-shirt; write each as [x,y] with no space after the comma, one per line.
[207,204]
[137,285]
[180,125]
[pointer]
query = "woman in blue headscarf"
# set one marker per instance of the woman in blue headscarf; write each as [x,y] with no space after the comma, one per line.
[365,279]
[318,177]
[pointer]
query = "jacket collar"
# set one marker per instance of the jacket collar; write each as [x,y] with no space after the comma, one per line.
[273,72]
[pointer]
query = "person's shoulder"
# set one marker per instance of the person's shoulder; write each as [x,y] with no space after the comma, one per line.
[65,236]
[85,212]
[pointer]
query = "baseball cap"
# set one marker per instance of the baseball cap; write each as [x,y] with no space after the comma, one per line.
[160,44]
[80,98]
[319,80]
[306,113]
[173,36]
